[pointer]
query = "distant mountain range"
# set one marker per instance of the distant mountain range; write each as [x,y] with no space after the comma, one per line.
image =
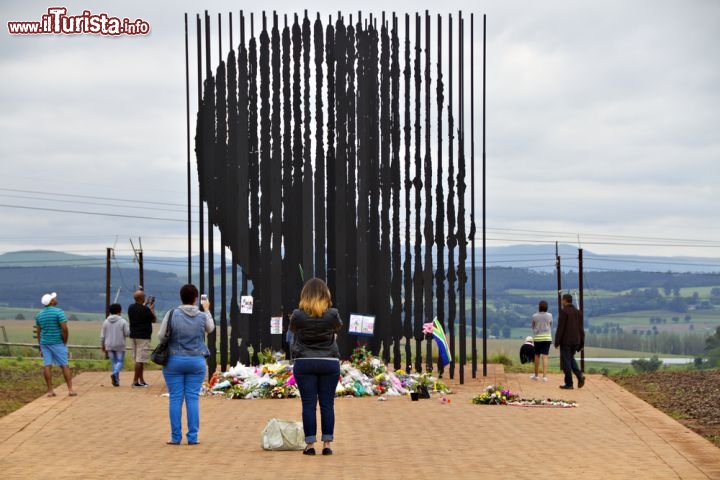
[533,257]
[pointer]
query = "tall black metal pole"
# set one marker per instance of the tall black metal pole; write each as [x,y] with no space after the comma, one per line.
[201,207]
[473,291]
[428,272]
[407,265]
[451,239]
[440,198]
[484,259]
[187,132]
[462,241]
[417,183]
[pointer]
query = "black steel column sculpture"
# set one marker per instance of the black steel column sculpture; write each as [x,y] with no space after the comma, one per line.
[289,208]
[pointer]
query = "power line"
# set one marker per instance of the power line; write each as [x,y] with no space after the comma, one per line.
[94,197]
[138,217]
[84,202]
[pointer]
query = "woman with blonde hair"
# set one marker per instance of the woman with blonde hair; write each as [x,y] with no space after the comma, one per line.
[317,365]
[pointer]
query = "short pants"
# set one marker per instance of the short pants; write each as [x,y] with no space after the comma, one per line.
[55,354]
[542,348]
[141,350]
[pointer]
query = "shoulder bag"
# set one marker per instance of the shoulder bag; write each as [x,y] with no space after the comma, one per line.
[161,353]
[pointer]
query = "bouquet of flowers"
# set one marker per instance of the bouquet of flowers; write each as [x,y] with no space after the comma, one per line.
[495,395]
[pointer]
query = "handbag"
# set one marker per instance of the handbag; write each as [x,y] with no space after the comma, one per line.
[283,435]
[161,353]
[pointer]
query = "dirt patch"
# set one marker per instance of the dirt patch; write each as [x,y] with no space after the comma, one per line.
[692,398]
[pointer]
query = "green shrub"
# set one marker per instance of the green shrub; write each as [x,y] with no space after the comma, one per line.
[500,357]
[643,365]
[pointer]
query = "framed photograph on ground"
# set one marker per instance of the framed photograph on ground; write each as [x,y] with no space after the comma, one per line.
[360,324]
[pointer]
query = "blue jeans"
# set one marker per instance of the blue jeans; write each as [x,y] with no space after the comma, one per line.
[317,380]
[117,358]
[570,366]
[184,377]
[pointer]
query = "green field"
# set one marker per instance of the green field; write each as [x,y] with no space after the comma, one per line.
[29,313]
[701,320]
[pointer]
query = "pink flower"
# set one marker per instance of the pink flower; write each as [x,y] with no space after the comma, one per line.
[427,327]
[290,380]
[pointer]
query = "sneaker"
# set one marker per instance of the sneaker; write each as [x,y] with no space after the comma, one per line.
[139,385]
[114,380]
[145,384]
[534,378]
[544,379]
[581,381]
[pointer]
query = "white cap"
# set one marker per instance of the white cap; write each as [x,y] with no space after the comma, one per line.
[47,298]
[529,339]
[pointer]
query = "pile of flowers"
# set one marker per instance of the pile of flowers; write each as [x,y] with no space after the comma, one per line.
[495,395]
[271,380]
[498,395]
[364,375]
[543,402]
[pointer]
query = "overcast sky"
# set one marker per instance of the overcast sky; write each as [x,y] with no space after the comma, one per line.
[603,125]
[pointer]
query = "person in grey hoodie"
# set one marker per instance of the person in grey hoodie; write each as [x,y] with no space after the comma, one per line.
[112,340]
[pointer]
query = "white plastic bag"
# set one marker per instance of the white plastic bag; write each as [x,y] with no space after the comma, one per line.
[283,435]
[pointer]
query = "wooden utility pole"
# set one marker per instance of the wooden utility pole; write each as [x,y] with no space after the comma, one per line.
[107,282]
[138,254]
[559,286]
[142,270]
[581,302]
[559,280]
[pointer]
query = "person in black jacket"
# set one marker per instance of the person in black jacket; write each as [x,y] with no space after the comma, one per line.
[141,318]
[570,338]
[317,365]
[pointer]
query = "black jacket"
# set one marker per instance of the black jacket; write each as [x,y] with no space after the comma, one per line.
[141,320]
[315,337]
[527,353]
[570,329]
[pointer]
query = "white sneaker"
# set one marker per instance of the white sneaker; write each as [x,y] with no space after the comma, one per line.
[534,378]
[544,379]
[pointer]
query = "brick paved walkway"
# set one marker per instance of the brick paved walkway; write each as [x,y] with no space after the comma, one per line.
[121,433]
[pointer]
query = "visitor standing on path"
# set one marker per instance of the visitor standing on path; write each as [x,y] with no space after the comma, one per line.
[570,338]
[115,330]
[185,369]
[542,338]
[317,365]
[141,318]
[52,332]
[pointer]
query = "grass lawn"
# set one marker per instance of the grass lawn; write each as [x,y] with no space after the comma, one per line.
[21,379]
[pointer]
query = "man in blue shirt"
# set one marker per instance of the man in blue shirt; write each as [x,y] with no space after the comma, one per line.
[53,336]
